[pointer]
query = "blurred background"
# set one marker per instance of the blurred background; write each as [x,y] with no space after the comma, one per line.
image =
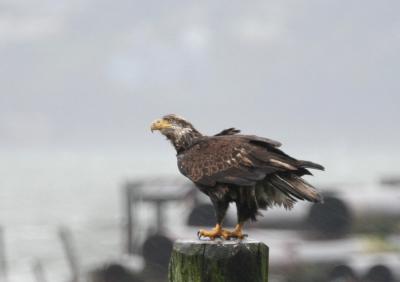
[87,193]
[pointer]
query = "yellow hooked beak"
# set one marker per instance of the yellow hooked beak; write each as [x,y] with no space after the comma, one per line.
[160,124]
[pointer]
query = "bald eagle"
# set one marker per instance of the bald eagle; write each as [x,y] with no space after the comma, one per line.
[247,170]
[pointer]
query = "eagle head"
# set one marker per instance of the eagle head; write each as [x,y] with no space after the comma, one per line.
[171,123]
[178,130]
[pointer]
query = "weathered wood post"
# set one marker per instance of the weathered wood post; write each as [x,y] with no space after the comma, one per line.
[219,261]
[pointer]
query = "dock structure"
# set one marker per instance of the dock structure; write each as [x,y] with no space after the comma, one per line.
[158,192]
[219,261]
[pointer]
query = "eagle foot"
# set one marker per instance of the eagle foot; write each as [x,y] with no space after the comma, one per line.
[216,232]
[236,234]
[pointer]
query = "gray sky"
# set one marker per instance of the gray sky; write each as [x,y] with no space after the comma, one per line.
[93,74]
[81,81]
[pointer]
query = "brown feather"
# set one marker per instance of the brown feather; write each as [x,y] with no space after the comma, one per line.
[246,169]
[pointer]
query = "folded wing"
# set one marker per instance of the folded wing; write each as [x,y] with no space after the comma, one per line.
[236,159]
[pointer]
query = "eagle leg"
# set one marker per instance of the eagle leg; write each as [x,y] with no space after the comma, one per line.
[237,233]
[216,232]
[220,204]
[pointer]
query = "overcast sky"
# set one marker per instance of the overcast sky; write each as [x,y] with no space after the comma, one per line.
[81,81]
[94,73]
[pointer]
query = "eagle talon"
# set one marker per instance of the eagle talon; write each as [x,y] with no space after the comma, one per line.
[216,232]
[236,233]
[202,237]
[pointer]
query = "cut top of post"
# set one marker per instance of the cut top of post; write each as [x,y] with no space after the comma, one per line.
[219,261]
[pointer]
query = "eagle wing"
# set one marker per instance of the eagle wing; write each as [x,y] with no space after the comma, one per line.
[252,138]
[234,159]
[262,141]
[228,131]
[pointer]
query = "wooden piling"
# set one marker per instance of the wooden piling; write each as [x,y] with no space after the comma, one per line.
[219,261]
[131,199]
[129,220]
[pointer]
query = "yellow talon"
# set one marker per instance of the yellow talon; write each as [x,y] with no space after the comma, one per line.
[216,232]
[236,233]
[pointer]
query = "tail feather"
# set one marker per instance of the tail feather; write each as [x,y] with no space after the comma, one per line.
[296,187]
[308,164]
[268,196]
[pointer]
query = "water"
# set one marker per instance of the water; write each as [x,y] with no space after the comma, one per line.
[42,191]
[39,192]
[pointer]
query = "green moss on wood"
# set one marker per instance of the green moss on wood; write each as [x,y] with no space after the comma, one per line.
[203,261]
[187,265]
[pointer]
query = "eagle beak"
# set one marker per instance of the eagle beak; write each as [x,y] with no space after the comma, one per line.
[160,124]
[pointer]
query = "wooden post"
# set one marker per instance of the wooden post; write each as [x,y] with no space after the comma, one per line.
[219,261]
[131,199]
[129,219]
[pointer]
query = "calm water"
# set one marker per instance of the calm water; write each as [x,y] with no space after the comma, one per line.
[40,192]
